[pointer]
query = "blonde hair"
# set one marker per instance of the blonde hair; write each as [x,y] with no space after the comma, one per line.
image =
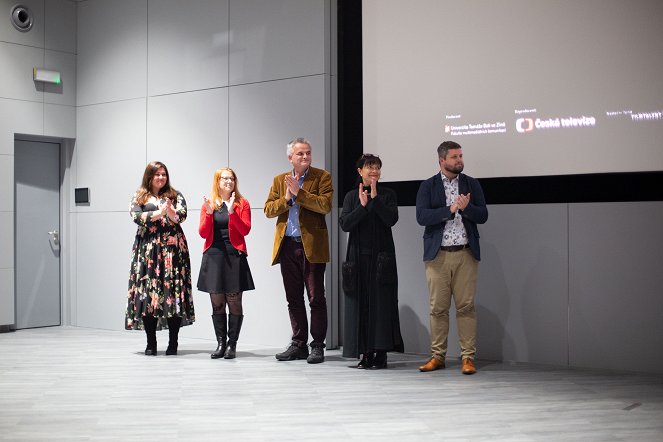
[215,194]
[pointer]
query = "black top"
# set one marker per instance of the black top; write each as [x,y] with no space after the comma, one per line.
[221,239]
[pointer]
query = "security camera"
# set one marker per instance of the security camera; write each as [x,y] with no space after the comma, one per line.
[22,18]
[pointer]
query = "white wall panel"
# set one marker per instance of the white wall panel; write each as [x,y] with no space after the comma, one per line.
[188,45]
[65,92]
[112,50]
[7,296]
[189,133]
[413,305]
[7,182]
[103,250]
[615,282]
[69,266]
[16,74]
[7,240]
[34,37]
[266,319]
[59,121]
[71,164]
[110,152]
[202,328]
[22,117]
[60,28]
[276,39]
[522,293]
[264,118]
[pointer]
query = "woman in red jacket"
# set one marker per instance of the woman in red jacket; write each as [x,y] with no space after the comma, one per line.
[225,219]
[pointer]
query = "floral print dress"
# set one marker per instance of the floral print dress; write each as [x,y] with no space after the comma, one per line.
[160,276]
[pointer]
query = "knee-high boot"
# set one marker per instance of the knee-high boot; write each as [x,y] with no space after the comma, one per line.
[173,332]
[234,326]
[220,330]
[150,326]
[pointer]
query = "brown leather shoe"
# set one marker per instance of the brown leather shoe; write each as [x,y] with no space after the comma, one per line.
[468,366]
[432,365]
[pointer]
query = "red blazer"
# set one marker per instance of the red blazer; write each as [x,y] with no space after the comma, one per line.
[239,225]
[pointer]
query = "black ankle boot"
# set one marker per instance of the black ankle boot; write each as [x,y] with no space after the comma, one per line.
[220,330]
[366,361]
[380,360]
[150,326]
[173,332]
[234,326]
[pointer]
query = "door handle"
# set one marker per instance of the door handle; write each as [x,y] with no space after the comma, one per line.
[55,235]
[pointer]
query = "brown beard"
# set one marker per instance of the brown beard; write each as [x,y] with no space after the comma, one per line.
[457,170]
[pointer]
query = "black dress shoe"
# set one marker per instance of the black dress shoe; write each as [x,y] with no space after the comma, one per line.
[366,361]
[380,361]
[150,351]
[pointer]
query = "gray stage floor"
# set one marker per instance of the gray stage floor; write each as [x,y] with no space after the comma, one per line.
[75,384]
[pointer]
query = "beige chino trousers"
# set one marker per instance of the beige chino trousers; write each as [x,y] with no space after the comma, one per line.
[452,275]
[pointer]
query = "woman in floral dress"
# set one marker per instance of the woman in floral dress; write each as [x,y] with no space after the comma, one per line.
[159,293]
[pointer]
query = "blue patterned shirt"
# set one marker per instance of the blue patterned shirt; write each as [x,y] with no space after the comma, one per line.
[292,228]
[453,233]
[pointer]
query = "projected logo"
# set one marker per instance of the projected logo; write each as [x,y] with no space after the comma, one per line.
[524,125]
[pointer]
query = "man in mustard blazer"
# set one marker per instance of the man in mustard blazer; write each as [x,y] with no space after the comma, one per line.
[300,199]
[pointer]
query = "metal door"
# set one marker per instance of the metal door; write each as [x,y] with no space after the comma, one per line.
[37,233]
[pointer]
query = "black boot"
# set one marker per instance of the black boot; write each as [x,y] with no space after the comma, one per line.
[220,320]
[366,361]
[234,326]
[380,360]
[173,332]
[150,326]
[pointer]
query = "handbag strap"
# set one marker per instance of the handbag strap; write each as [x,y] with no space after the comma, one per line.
[347,249]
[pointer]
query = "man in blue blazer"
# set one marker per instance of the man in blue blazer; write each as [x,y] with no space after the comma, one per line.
[450,204]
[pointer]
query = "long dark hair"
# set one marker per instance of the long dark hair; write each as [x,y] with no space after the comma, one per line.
[145,189]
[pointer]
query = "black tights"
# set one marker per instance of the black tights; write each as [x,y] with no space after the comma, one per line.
[219,301]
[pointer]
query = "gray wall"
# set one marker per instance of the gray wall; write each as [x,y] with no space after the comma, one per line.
[197,85]
[27,107]
[564,284]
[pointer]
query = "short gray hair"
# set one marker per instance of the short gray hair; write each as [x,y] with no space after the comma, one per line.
[291,145]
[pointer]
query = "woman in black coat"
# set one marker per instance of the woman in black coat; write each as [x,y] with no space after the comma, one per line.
[371,294]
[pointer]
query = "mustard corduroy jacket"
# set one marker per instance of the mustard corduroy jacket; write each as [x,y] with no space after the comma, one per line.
[315,201]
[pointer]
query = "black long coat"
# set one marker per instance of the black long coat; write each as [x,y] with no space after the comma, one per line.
[371,310]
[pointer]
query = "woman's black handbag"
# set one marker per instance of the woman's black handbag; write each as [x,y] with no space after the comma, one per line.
[349,273]
[386,268]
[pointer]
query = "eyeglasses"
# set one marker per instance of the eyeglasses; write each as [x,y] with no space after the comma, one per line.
[368,155]
[227,178]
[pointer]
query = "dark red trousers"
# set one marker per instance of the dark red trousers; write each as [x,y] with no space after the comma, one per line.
[298,273]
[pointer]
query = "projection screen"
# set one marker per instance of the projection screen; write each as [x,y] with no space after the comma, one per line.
[527,87]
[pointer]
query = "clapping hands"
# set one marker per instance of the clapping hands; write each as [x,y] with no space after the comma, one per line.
[363,193]
[291,186]
[208,206]
[231,203]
